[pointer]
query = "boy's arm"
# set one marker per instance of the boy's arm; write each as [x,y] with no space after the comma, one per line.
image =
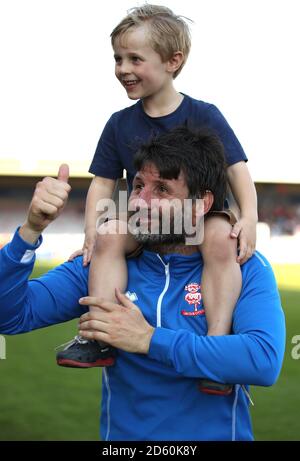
[244,192]
[107,168]
[100,188]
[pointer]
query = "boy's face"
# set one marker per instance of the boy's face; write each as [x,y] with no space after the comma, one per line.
[138,67]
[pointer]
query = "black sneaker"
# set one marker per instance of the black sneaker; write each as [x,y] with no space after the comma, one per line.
[81,353]
[213,388]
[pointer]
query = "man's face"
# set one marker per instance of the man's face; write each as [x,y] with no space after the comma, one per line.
[161,205]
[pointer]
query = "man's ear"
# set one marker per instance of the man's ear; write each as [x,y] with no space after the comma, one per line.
[202,206]
[175,62]
[208,200]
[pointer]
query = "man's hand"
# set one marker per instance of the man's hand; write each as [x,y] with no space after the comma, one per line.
[120,325]
[49,199]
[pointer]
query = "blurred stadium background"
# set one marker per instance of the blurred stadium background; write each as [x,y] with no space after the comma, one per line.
[48,116]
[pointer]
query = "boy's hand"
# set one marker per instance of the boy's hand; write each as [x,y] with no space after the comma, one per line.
[87,249]
[245,231]
[89,245]
[75,254]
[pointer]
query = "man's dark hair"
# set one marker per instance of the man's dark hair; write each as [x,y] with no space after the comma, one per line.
[198,154]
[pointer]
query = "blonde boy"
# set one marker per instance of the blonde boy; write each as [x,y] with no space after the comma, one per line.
[151,45]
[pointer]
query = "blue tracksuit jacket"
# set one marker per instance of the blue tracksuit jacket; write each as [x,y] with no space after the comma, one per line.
[156,397]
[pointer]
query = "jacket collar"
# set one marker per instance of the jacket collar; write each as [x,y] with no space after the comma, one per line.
[177,264]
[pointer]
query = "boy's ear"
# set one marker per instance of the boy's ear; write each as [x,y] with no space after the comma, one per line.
[175,62]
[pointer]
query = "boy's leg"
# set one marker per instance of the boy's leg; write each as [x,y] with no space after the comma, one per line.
[108,267]
[221,278]
[108,270]
[221,281]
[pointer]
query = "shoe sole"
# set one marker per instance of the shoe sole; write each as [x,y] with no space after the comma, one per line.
[215,392]
[73,364]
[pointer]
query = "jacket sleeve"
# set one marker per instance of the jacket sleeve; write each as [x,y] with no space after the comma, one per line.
[253,354]
[25,304]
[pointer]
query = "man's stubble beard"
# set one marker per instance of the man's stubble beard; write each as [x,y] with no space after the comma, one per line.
[156,233]
[158,239]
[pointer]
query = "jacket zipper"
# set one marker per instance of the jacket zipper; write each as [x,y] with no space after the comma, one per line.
[161,296]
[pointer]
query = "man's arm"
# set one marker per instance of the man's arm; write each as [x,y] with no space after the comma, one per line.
[252,355]
[54,297]
[28,305]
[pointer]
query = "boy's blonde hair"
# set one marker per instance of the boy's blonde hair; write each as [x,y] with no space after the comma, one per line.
[168,32]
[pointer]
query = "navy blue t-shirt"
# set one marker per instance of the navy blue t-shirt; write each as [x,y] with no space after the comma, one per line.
[128,128]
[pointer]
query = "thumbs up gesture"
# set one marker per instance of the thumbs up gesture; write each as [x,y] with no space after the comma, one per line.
[48,201]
